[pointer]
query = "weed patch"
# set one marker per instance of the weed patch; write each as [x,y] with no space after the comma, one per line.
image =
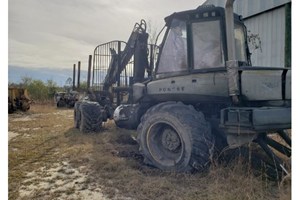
[49,159]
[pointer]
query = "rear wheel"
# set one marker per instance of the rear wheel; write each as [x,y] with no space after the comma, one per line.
[90,117]
[61,103]
[25,106]
[175,137]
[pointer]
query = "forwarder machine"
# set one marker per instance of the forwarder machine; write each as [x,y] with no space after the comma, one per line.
[203,88]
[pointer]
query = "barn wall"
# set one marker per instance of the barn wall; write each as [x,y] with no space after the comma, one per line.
[268,20]
[270,26]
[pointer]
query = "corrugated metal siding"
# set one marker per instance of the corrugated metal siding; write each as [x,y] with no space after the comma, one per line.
[248,8]
[270,26]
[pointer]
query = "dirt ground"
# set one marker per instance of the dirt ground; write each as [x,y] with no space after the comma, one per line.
[49,159]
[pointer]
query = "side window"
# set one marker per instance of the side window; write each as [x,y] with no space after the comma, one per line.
[207,45]
[240,48]
[173,57]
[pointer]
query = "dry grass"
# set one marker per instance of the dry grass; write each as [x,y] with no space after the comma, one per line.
[109,161]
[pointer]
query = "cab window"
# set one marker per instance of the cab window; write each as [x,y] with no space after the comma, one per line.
[207,45]
[240,48]
[173,56]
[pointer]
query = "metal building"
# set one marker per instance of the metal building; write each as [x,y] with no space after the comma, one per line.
[271,20]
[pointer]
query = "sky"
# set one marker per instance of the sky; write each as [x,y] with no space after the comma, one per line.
[59,33]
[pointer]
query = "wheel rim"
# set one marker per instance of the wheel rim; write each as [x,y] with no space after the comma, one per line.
[165,144]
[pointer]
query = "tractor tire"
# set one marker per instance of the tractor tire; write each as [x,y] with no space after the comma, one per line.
[90,117]
[10,108]
[175,137]
[61,104]
[77,115]
[25,106]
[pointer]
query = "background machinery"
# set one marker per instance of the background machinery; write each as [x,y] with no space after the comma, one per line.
[203,89]
[18,99]
[66,99]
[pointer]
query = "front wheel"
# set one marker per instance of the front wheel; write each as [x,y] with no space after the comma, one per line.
[61,103]
[90,117]
[175,137]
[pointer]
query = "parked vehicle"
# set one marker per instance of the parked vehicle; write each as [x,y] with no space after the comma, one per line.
[202,88]
[66,99]
[18,99]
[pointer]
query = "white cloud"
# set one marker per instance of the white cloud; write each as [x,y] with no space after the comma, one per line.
[53,51]
[56,33]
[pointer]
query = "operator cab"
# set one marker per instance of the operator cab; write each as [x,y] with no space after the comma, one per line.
[195,41]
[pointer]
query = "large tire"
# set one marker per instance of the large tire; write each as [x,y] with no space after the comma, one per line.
[175,137]
[10,108]
[90,117]
[25,106]
[61,103]
[77,114]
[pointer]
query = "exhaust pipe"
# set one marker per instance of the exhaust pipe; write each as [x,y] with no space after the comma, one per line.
[89,72]
[229,18]
[231,64]
[78,79]
[74,73]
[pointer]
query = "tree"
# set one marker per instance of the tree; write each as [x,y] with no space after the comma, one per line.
[52,88]
[25,81]
[68,84]
[152,30]
[83,85]
[38,90]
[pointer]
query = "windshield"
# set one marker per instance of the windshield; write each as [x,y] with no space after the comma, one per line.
[173,57]
[207,45]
